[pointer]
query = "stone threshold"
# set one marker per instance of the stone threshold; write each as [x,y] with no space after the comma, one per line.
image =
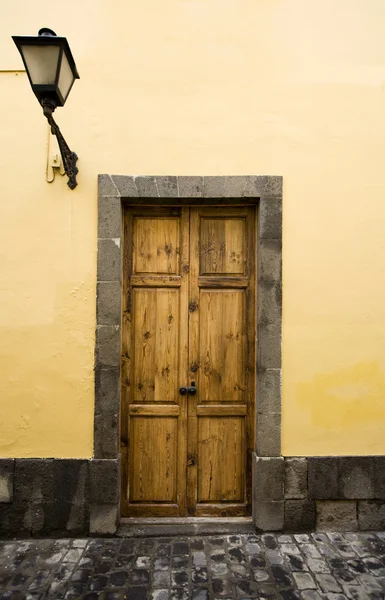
[191,526]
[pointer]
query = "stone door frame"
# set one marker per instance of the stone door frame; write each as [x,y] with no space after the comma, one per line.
[40,496]
[263,191]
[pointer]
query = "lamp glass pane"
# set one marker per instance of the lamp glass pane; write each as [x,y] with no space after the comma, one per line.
[41,63]
[66,77]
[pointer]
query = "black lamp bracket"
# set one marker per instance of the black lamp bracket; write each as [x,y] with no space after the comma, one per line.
[69,158]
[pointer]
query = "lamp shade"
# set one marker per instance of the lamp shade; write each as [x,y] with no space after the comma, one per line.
[49,64]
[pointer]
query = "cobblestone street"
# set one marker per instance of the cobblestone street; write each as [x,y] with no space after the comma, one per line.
[317,566]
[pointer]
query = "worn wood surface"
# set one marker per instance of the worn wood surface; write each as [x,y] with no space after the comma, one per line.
[188,315]
[221,358]
[154,353]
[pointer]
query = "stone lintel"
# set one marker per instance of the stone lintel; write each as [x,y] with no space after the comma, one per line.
[208,186]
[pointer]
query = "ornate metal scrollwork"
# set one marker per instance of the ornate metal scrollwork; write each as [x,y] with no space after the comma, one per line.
[69,158]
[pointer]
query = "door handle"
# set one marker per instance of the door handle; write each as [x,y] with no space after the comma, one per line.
[188,390]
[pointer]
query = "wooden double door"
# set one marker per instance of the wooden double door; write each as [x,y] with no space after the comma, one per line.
[188,324]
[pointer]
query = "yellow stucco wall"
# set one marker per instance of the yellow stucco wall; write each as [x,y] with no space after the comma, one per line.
[208,87]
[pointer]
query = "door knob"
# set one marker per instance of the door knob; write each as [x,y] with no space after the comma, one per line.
[188,390]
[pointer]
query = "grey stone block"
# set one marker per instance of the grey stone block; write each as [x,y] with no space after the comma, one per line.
[235,186]
[109,260]
[270,219]
[255,186]
[12,519]
[125,185]
[104,519]
[107,391]
[33,480]
[34,518]
[295,478]
[167,187]
[63,517]
[260,186]
[147,187]
[274,185]
[110,217]
[268,434]
[371,515]
[108,303]
[213,187]
[6,480]
[323,478]
[253,486]
[379,477]
[268,477]
[336,515]
[300,515]
[270,260]
[268,516]
[356,477]
[78,519]
[269,348]
[269,303]
[190,187]
[106,429]
[70,481]
[269,391]
[106,186]
[108,345]
[104,481]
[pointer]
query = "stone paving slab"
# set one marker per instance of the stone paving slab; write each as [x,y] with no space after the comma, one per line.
[316,566]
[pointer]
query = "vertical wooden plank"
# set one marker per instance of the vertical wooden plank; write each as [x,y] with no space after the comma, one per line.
[153,463]
[222,352]
[166,346]
[194,370]
[156,344]
[222,245]
[221,458]
[144,331]
[223,338]
[156,241]
[157,335]
[183,357]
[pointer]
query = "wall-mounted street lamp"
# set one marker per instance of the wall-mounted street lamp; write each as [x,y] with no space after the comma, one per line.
[52,72]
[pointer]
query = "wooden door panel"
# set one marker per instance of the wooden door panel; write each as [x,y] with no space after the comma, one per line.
[188,315]
[222,246]
[154,459]
[156,245]
[222,345]
[221,455]
[154,362]
[221,360]
[155,357]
